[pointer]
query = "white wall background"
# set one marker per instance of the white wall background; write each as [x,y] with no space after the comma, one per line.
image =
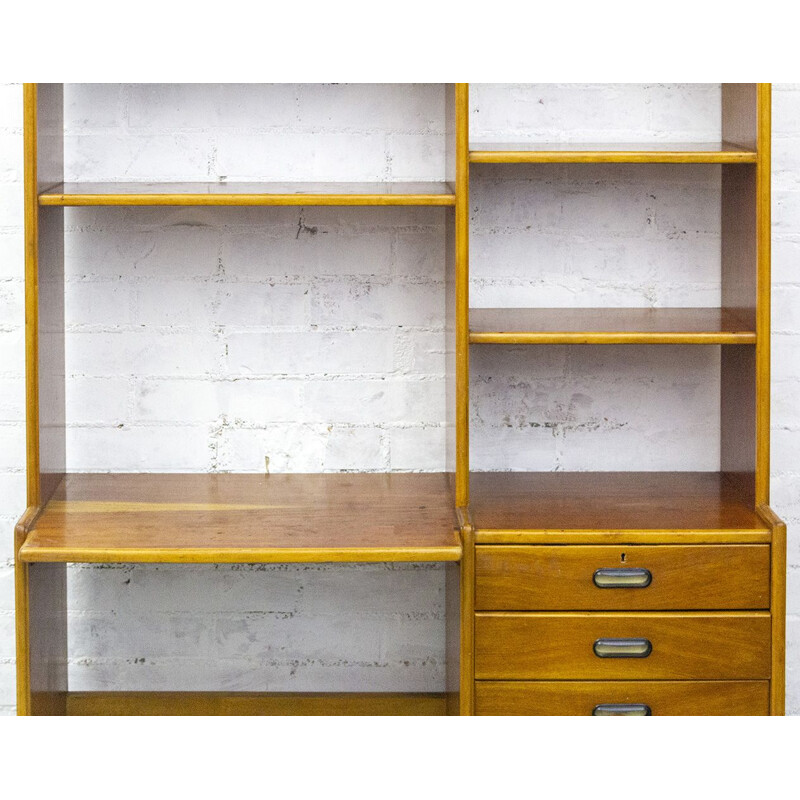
[205,339]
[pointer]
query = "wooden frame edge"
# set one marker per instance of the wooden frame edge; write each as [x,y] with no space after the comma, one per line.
[30,140]
[777,686]
[467,665]
[255,704]
[462,293]
[763,289]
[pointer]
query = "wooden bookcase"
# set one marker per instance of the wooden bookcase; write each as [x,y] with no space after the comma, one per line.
[578,593]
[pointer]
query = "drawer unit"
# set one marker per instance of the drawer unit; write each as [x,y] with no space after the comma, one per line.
[623,646]
[640,577]
[575,698]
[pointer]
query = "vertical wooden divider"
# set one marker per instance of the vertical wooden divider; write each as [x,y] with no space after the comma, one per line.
[41,589]
[462,292]
[458,587]
[764,289]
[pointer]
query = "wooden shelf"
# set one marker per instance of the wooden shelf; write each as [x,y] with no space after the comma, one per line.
[246,519]
[605,153]
[428,193]
[608,326]
[612,507]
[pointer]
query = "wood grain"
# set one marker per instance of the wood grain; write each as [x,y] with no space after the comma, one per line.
[468,621]
[778,610]
[578,698]
[556,503]
[462,294]
[686,646]
[546,578]
[247,518]
[429,193]
[31,145]
[764,284]
[605,153]
[253,704]
[608,326]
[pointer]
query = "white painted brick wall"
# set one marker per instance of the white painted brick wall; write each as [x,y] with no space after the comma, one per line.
[205,339]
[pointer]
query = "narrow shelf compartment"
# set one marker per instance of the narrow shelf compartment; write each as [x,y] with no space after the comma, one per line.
[608,326]
[180,518]
[610,153]
[612,507]
[429,193]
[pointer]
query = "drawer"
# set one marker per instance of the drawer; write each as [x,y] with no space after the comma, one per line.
[665,646]
[640,577]
[576,698]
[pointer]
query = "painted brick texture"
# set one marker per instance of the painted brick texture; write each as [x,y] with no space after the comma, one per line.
[207,339]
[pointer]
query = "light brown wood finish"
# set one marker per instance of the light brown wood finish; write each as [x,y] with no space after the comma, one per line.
[611,502]
[253,704]
[247,518]
[579,698]
[462,294]
[608,326]
[41,626]
[249,194]
[764,284]
[467,706]
[585,153]
[778,610]
[31,118]
[451,271]
[686,646]
[547,578]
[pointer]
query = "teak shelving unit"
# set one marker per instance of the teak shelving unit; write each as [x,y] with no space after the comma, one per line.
[567,593]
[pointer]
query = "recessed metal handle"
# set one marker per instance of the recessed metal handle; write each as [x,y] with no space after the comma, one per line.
[622,710]
[622,578]
[623,648]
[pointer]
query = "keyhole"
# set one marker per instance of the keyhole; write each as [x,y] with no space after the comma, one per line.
[622,558]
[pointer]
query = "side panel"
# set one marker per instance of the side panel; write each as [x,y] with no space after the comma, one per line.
[41,589]
[777,686]
[458,289]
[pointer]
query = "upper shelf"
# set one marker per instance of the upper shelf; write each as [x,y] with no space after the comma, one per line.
[389,193]
[607,326]
[201,518]
[605,153]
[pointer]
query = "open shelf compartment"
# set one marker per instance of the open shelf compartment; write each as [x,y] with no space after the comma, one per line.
[225,518]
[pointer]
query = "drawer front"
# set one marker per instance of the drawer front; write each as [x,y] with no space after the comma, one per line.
[576,698]
[625,646]
[600,578]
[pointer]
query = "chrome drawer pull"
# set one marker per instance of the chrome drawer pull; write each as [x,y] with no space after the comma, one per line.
[623,648]
[622,710]
[622,578]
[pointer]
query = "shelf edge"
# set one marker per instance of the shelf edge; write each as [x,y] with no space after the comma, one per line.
[273,555]
[80,200]
[610,337]
[610,157]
